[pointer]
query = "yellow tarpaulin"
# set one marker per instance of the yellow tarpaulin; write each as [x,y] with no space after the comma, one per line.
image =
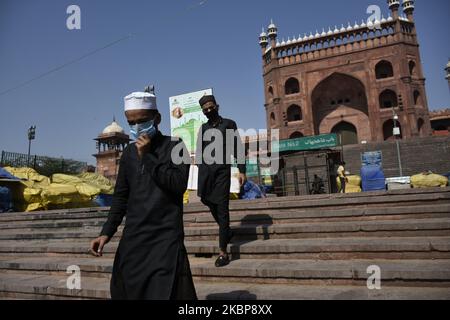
[353,185]
[37,192]
[63,195]
[30,175]
[85,189]
[99,181]
[428,180]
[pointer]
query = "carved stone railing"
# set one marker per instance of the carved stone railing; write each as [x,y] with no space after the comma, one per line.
[340,41]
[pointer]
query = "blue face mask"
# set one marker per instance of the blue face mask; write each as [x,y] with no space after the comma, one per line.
[146,128]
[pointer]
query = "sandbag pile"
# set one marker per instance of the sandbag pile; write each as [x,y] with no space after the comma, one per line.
[353,184]
[60,191]
[428,180]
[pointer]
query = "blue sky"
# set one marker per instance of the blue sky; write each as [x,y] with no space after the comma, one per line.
[179,47]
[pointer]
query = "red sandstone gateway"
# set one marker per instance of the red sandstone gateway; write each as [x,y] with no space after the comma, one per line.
[347,80]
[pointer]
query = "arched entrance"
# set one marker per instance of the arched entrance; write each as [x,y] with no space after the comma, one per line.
[346,133]
[341,98]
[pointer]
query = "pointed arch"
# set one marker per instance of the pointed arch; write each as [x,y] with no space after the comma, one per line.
[346,132]
[294,113]
[292,86]
[388,99]
[384,70]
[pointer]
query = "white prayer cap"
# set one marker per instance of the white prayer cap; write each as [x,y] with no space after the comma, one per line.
[140,101]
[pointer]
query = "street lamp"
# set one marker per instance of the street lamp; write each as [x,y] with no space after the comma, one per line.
[397,134]
[31,136]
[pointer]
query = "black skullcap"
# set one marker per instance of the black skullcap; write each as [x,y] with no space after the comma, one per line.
[205,99]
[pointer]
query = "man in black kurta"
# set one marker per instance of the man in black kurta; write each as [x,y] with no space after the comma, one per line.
[151,261]
[214,179]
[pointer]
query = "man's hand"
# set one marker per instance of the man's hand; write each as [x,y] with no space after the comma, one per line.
[97,246]
[143,145]
[242,179]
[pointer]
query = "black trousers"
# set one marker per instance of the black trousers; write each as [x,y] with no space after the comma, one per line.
[221,214]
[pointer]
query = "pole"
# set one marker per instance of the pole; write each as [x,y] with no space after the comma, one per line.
[396,136]
[31,136]
[399,157]
[29,152]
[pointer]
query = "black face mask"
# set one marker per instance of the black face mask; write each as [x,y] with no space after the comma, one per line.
[213,115]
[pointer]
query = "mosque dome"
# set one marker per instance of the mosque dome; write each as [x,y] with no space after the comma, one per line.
[113,128]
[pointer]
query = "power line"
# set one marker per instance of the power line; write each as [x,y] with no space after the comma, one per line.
[66,64]
[191,7]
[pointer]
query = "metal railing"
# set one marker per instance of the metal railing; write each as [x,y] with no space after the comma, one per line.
[43,165]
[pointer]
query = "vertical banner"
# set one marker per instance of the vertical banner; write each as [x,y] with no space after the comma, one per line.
[186,117]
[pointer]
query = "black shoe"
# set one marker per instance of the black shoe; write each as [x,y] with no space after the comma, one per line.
[222,261]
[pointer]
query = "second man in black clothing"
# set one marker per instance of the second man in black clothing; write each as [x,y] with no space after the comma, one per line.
[214,177]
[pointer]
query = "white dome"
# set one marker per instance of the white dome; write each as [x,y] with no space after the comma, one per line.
[113,128]
[272,25]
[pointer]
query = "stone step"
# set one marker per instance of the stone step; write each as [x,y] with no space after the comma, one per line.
[320,248]
[404,227]
[348,272]
[54,287]
[394,198]
[272,216]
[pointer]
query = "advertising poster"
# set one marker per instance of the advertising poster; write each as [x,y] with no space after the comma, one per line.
[186,117]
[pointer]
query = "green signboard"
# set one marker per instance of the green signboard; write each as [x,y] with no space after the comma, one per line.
[305,144]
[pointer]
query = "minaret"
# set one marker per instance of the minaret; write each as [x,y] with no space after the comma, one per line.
[263,42]
[408,9]
[394,5]
[110,145]
[273,32]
